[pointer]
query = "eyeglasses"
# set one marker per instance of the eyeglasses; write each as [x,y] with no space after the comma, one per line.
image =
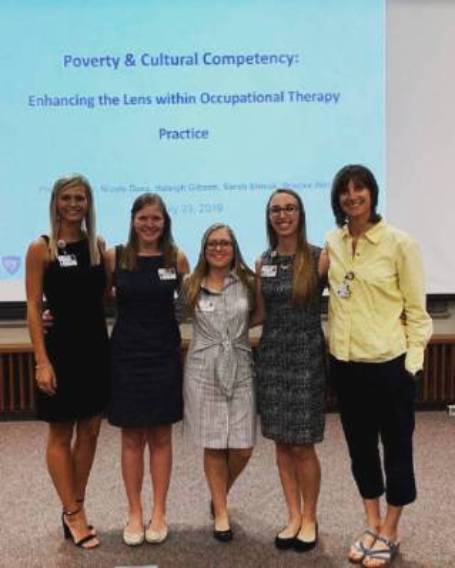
[289,209]
[221,244]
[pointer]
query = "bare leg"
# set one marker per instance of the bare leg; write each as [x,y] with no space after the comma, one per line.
[61,469]
[308,472]
[388,530]
[237,460]
[84,448]
[60,463]
[133,445]
[373,515]
[217,474]
[159,439]
[291,490]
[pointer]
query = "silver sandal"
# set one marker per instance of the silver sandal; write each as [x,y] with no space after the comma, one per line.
[361,548]
[386,554]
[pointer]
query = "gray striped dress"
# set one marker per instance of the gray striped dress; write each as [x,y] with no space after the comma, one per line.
[218,392]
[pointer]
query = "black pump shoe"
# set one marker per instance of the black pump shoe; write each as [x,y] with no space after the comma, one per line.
[223,536]
[285,543]
[306,545]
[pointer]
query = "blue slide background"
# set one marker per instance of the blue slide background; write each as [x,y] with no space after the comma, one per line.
[339,48]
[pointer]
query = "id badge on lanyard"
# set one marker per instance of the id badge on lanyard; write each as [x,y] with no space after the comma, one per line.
[67,260]
[206,305]
[268,270]
[167,274]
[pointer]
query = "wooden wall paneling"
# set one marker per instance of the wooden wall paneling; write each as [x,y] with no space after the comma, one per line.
[22,362]
[2,383]
[17,378]
[11,381]
[31,381]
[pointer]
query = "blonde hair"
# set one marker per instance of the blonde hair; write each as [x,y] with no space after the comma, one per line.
[128,256]
[193,282]
[88,223]
[304,280]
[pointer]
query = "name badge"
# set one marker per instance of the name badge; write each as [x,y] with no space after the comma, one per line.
[67,260]
[343,291]
[268,270]
[206,306]
[167,274]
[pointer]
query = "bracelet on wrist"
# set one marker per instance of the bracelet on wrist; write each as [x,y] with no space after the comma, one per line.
[41,366]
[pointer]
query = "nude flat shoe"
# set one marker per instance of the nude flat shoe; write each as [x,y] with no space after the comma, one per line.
[156,537]
[133,538]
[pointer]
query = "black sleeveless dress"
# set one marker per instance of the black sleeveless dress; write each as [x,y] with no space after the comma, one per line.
[145,347]
[77,344]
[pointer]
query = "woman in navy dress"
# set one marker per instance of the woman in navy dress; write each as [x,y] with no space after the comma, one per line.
[146,359]
[72,359]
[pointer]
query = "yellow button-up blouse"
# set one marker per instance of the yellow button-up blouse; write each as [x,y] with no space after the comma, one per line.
[377,297]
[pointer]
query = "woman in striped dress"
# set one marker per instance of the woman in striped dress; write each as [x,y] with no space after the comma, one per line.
[220,410]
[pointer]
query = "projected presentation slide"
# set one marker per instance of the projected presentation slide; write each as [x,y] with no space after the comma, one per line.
[210,104]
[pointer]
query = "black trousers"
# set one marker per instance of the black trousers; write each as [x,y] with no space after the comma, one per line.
[376,400]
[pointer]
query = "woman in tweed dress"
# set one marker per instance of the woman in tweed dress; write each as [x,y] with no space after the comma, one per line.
[219,403]
[290,362]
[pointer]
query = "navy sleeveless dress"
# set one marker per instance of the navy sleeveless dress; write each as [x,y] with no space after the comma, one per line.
[145,347]
[77,344]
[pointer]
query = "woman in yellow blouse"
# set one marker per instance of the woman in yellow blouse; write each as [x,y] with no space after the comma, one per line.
[378,329]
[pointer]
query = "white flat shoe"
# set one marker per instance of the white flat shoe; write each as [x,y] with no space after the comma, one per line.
[156,537]
[132,538]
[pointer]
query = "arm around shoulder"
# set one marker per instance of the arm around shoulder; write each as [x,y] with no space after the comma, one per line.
[101,244]
[181,303]
[109,265]
[183,266]
[323,264]
[258,316]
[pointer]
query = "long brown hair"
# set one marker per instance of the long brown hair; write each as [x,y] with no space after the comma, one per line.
[304,280]
[128,257]
[88,223]
[193,282]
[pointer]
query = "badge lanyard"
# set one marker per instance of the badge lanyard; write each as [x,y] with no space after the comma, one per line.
[344,290]
[65,259]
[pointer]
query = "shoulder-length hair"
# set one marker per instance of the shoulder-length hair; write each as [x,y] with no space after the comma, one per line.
[88,223]
[239,267]
[360,176]
[304,280]
[128,256]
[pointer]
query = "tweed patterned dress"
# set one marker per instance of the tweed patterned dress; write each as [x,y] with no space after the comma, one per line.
[290,364]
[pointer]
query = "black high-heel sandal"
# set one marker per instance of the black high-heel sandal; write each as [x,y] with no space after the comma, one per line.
[81,501]
[91,527]
[68,534]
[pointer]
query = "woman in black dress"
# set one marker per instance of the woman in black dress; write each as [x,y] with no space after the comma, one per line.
[72,359]
[146,359]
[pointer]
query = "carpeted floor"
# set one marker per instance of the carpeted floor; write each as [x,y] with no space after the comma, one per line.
[31,537]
